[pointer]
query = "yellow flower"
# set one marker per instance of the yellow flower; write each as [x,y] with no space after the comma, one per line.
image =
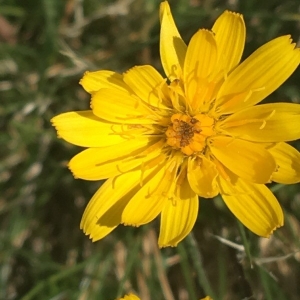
[130,297]
[134,297]
[164,142]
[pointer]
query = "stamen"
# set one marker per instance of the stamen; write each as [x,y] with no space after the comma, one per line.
[265,121]
[131,131]
[248,121]
[253,91]
[165,187]
[189,133]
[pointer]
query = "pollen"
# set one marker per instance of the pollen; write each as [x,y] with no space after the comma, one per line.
[189,133]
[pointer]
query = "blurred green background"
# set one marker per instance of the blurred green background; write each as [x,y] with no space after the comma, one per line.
[46,46]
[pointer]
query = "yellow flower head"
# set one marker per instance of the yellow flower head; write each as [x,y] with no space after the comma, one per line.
[130,297]
[164,142]
[134,297]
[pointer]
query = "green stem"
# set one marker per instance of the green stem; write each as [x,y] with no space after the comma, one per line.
[186,271]
[197,260]
[245,242]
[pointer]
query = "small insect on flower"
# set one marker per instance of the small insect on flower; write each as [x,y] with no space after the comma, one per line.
[163,142]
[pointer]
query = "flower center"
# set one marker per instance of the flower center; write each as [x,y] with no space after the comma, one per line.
[189,133]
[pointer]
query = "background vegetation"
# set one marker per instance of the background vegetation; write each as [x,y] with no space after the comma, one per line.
[46,45]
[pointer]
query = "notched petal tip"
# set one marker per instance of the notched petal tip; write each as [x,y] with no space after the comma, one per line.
[254,205]
[59,122]
[208,32]
[232,13]
[86,232]
[93,239]
[161,246]
[275,222]
[53,122]
[89,235]
[95,232]
[130,224]
[85,74]
[235,14]
[275,228]
[57,119]
[85,82]
[71,170]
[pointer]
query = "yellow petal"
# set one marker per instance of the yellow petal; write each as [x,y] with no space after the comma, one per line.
[248,160]
[199,65]
[148,85]
[172,47]
[94,81]
[105,162]
[230,34]
[258,76]
[201,56]
[120,107]
[288,163]
[254,205]
[104,211]
[274,122]
[178,216]
[83,128]
[147,203]
[202,174]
